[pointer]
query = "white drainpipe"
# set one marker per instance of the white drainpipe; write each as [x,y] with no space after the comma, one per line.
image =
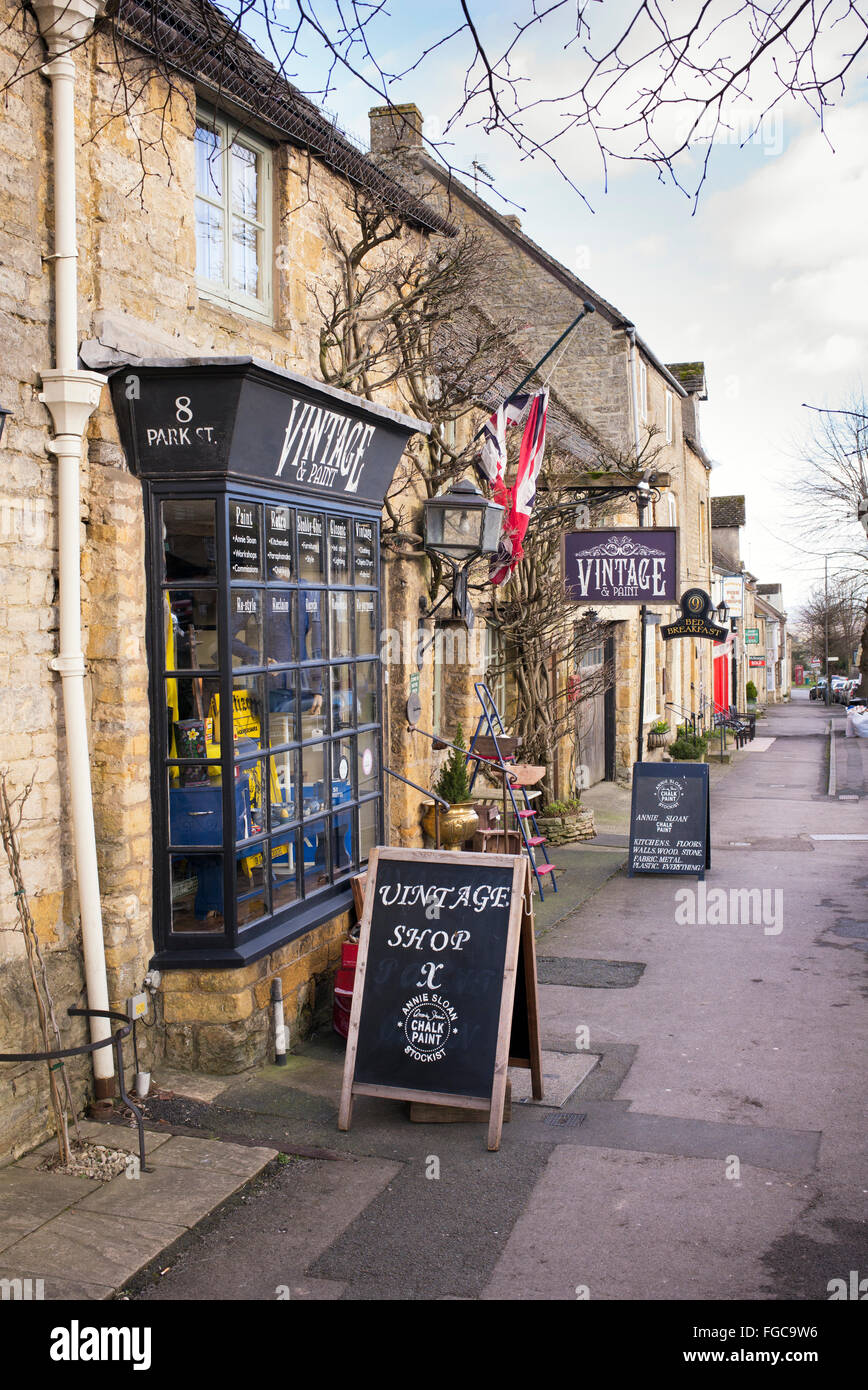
[71,396]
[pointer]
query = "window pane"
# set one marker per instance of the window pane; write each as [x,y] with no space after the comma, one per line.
[343,856]
[279,628]
[340,628]
[247,715]
[284,862]
[310,549]
[366,624]
[315,849]
[368,816]
[251,892]
[209,163]
[310,623]
[245,554]
[339,550]
[342,697]
[363,553]
[314,713]
[244,165]
[196,812]
[191,629]
[197,893]
[368,764]
[189,544]
[316,790]
[283,788]
[245,257]
[191,733]
[278,543]
[343,751]
[282,708]
[245,617]
[366,692]
[249,807]
[209,242]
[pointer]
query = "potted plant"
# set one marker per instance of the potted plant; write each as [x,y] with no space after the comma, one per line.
[688,747]
[657,734]
[453,785]
[750,693]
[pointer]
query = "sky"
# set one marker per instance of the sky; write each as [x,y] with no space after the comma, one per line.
[765,279]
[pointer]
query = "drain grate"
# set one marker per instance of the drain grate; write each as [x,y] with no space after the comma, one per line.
[570,1120]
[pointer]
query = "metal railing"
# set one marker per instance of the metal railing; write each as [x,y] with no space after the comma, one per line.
[117,1039]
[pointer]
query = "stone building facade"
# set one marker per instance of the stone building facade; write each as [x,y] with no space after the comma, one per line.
[637,414]
[142,296]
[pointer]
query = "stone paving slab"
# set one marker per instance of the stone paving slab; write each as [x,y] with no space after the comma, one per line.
[54,1287]
[91,1247]
[192,1085]
[179,1194]
[562,1073]
[29,1199]
[85,1238]
[243,1160]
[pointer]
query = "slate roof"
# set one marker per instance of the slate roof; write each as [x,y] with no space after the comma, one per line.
[727,511]
[193,38]
[692,377]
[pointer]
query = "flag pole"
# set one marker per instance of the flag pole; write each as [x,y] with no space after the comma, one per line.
[587,308]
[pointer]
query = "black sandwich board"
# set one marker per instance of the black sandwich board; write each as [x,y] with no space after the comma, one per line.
[445,996]
[670,819]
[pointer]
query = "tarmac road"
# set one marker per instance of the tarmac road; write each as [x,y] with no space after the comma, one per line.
[715,1151]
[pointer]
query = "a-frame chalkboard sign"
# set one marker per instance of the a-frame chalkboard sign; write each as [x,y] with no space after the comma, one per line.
[670,819]
[445,998]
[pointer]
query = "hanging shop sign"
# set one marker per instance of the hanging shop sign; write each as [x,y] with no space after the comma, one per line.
[621,566]
[670,819]
[756,661]
[244,418]
[751,636]
[695,620]
[733,594]
[445,997]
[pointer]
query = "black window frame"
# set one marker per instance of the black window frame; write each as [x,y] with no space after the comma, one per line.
[240,943]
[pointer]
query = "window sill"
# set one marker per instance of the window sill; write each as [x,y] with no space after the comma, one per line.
[233,306]
[248,951]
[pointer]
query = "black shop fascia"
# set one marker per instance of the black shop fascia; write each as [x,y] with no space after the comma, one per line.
[263,492]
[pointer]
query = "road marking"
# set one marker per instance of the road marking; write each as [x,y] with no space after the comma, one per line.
[838,837]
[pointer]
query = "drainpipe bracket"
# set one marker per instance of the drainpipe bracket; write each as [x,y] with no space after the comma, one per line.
[68,665]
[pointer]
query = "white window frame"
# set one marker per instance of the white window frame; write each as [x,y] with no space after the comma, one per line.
[261,306]
[670,421]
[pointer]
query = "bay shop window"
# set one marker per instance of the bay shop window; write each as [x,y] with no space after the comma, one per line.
[264,622]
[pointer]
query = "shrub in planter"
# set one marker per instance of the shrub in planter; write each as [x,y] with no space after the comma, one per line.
[657,734]
[689,747]
[563,821]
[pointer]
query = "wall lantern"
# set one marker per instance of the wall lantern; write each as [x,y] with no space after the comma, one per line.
[461,524]
[3,413]
[722,613]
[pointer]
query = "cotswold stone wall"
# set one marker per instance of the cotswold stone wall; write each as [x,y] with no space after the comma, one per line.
[137,297]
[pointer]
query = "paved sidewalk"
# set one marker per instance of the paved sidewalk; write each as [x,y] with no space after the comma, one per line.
[84,1239]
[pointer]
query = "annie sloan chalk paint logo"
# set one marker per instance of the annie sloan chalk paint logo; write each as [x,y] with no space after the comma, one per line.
[428,1021]
[668,793]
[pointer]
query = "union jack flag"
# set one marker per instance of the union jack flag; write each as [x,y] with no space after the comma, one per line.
[518,499]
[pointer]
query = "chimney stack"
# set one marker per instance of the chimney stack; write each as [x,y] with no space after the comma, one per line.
[395,128]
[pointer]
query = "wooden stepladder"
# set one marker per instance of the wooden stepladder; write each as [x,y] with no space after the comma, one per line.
[492,743]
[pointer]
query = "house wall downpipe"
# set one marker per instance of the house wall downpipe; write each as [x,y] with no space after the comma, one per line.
[71,396]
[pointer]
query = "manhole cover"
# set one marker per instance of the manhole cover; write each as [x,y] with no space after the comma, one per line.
[569,1121]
